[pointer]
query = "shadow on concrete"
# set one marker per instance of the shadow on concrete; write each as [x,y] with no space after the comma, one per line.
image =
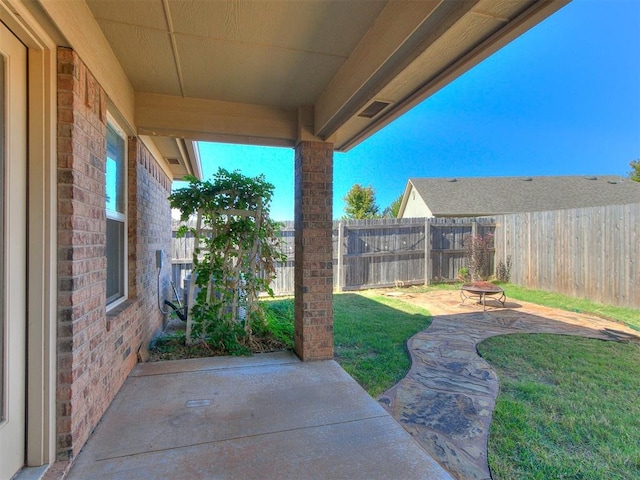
[262,417]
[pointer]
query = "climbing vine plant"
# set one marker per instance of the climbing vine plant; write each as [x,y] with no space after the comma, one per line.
[236,248]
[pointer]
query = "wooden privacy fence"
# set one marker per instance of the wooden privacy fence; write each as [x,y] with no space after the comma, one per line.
[394,252]
[374,253]
[591,253]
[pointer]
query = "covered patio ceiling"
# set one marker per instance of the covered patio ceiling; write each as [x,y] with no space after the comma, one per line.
[275,72]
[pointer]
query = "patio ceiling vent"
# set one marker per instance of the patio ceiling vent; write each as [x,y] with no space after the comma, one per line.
[173,161]
[374,108]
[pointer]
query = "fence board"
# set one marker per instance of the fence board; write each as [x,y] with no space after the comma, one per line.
[590,253]
[373,253]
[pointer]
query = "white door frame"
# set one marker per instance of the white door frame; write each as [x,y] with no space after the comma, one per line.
[42,224]
[13,412]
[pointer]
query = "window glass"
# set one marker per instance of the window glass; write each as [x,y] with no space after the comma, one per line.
[115,171]
[115,181]
[115,254]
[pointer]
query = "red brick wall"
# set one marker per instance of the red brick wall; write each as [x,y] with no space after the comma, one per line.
[96,349]
[313,271]
[149,230]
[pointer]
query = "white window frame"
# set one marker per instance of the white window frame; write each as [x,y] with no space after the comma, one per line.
[119,216]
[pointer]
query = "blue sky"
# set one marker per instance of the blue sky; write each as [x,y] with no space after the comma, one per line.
[562,99]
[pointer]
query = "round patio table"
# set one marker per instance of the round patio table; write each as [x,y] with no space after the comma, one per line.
[480,291]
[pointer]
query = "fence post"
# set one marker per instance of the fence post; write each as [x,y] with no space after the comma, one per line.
[340,253]
[427,251]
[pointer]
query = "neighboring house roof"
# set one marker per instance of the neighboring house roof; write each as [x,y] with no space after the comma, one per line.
[497,195]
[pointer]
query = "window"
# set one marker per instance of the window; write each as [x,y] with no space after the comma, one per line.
[116,201]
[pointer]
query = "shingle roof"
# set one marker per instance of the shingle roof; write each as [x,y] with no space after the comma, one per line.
[494,195]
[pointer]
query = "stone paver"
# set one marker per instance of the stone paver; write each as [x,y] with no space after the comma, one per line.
[447,399]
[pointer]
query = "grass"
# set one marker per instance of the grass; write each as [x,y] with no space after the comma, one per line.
[370,335]
[568,407]
[279,320]
[274,334]
[629,316]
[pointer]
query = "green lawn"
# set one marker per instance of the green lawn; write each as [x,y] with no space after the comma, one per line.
[370,335]
[568,407]
[629,316]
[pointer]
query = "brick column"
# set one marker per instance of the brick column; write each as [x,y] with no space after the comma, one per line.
[314,250]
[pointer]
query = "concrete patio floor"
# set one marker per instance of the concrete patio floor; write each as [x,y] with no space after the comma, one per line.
[266,416]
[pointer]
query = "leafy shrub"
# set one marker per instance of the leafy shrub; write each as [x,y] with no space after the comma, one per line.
[477,249]
[503,271]
[463,274]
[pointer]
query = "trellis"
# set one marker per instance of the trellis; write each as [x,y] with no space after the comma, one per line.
[235,249]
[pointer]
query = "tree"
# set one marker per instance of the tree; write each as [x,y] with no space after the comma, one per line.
[634,174]
[360,202]
[393,209]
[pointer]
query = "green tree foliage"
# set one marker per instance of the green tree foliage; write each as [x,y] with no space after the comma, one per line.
[235,252]
[634,174]
[360,202]
[393,209]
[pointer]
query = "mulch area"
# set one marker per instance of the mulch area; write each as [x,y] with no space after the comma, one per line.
[170,345]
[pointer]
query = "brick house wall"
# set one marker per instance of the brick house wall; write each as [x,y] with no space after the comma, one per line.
[97,350]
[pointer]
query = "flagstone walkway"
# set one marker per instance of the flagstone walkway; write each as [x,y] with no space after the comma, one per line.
[447,399]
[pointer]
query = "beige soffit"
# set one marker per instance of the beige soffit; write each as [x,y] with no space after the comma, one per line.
[76,28]
[247,72]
